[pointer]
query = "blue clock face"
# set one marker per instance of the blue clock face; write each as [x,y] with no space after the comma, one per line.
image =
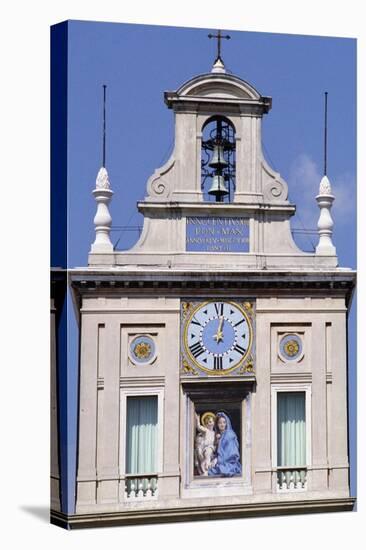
[218,336]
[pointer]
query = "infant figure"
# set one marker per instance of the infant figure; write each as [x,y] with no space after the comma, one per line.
[205,443]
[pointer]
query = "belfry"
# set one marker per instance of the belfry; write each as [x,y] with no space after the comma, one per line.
[213,353]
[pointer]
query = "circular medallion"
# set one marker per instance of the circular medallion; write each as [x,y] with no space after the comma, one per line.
[291,347]
[142,349]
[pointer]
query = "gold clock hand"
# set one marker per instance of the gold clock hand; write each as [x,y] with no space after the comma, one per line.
[220,324]
[219,335]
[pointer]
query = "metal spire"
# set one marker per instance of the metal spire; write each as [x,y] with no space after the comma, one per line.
[104,132]
[325,131]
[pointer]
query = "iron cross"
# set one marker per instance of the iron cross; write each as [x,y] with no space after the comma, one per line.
[219,37]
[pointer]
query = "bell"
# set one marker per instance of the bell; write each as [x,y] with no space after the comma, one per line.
[218,160]
[218,187]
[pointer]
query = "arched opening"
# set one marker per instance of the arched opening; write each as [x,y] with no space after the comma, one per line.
[218,160]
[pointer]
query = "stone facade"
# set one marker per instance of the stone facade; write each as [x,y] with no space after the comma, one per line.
[111,314]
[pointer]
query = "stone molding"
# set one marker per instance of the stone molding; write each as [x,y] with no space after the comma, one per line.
[199,513]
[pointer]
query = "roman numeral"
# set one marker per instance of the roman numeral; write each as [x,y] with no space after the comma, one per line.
[239,349]
[219,308]
[239,322]
[196,349]
[217,363]
[195,322]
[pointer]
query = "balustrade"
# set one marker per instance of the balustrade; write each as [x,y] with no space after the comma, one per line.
[290,479]
[141,486]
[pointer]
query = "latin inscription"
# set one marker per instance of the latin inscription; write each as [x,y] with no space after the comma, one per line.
[229,234]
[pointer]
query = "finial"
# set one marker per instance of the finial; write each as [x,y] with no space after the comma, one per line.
[325,201]
[102,194]
[325,187]
[218,66]
[102,181]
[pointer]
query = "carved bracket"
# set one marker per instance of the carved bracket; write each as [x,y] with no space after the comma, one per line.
[158,185]
[274,187]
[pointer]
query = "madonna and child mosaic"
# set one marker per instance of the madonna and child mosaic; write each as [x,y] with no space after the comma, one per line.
[216,446]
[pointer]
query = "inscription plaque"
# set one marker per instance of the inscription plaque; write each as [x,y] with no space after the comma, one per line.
[217,234]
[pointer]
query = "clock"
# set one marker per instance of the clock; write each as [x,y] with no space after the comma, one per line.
[217,336]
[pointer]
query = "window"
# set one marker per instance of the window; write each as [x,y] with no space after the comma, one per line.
[291,440]
[141,446]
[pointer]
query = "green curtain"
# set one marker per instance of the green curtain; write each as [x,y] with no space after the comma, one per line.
[291,432]
[142,435]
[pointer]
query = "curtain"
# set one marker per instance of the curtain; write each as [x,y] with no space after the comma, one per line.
[142,435]
[291,432]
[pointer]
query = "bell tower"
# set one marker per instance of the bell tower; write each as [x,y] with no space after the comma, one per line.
[214,333]
[225,99]
[216,193]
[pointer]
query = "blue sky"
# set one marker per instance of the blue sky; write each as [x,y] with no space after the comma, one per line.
[139,62]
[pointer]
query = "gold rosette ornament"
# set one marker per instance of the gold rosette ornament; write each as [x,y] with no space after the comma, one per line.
[142,350]
[291,348]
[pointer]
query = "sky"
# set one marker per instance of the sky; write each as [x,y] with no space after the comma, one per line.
[139,62]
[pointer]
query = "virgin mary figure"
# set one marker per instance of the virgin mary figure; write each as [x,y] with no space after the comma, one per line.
[227,452]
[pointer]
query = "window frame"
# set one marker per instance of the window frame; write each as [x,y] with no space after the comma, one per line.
[290,388]
[141,392]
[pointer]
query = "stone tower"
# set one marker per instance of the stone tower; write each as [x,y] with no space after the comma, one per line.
[215,312]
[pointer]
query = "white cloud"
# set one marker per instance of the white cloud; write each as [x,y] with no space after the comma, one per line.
[304,179]
[305,171]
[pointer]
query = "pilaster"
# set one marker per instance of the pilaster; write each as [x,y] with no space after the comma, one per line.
[108,413]
[318,475]
[262,410]
[169,482]
[338,451]
[86,471]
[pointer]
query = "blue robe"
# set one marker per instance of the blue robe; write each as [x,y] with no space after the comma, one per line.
[227,453]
